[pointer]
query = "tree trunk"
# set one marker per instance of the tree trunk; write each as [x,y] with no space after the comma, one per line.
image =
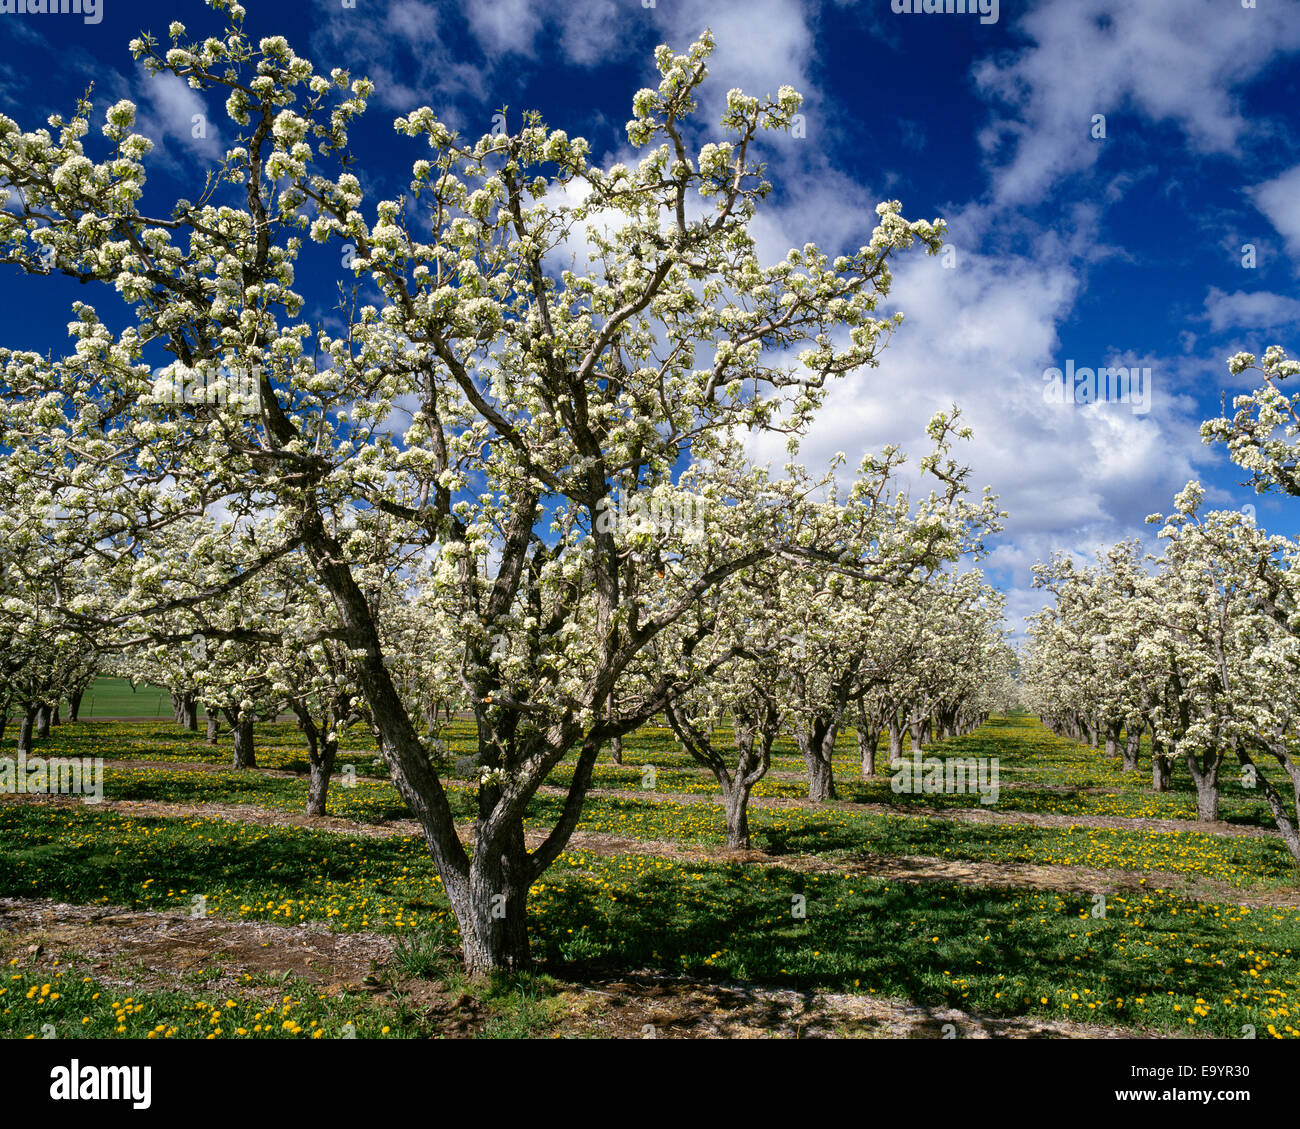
[821,778]
[214,725]
[185,710]
[895,741]
[322,769]
[25,731]
[1162,772]
[1277,804]
[42,721]
[867,743]
[496,911]
[915,730]
[1112,740]
[817,743]
[615,743]
[1132,745]
[736,803]
[1207,801]
[1162,768]
[74,705]
[242,733]
[1205,774]
[54,715]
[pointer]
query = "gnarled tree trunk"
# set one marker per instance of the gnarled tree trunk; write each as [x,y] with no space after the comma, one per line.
[817,743]
[242,740]
[1132,746]
[26,729]
[1204,768]
[895,741]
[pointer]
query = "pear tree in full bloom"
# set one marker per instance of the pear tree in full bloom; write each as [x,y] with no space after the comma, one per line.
[486,408]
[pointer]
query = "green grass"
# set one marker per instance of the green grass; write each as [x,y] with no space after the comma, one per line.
[62,1004]
[1038,772]
[1156,960]
[1025,751]
[997,951]
[115,697]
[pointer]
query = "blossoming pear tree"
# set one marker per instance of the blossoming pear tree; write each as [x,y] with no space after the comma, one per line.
[488,405]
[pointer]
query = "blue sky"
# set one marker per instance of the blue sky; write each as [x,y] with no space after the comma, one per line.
[1122,250]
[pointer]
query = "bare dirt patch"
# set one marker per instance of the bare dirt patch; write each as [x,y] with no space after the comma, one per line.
[141,951]
[653,1005]
[165,947]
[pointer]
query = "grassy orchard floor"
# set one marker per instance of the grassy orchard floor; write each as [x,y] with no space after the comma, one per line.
[1160,961]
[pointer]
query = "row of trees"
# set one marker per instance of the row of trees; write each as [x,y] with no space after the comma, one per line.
[1202,649]
[423,503]
[801,653]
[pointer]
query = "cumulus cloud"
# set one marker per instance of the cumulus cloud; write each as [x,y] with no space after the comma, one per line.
[1279,200]
[1179,61]
[1257,310]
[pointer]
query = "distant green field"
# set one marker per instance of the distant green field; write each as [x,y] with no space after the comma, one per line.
[113,697]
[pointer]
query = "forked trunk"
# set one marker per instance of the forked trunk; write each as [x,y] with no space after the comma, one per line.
[817,743]
[1205,774]
[736,802]
[242,739]
[1162,772]
[322,769]
[895,741]
[1132,746]
[1112,740]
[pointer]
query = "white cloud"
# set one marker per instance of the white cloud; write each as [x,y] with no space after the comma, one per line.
[1169,60]
[1279,200]
[172,113]
[1250,310]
